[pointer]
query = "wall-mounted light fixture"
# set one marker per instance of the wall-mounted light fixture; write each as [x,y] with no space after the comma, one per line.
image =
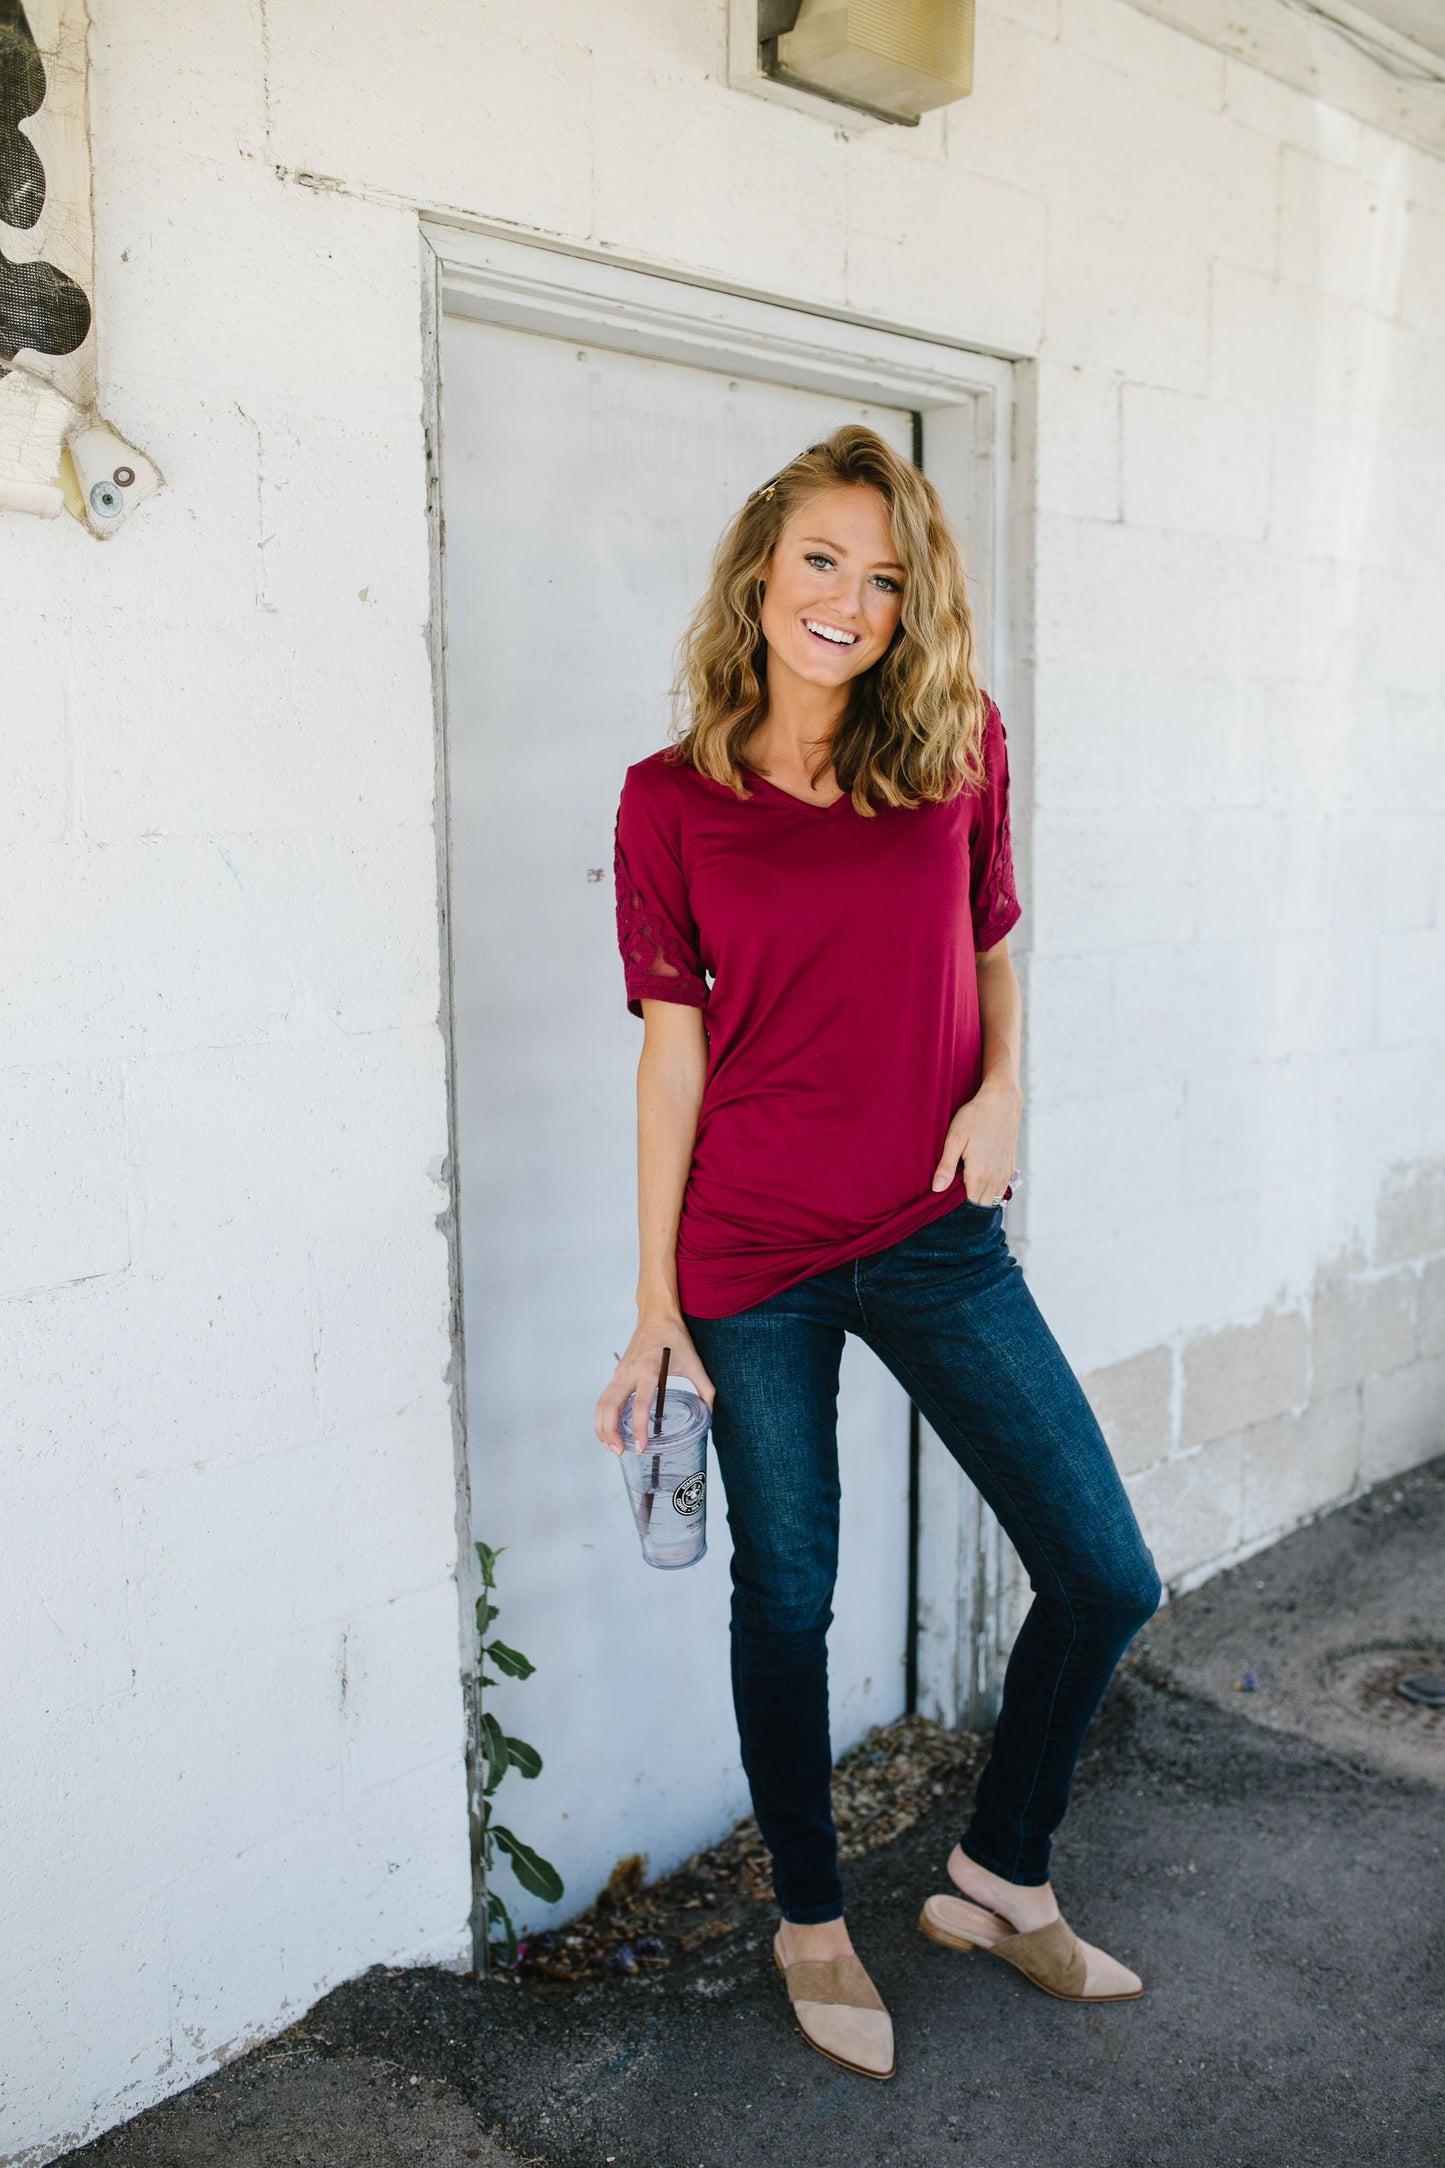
[895,59]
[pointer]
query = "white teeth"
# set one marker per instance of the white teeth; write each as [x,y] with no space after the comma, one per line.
[830,632]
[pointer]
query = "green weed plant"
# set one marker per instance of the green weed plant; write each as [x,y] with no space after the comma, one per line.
[500,1752]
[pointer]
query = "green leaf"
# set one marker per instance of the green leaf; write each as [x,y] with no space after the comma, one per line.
[497,1911]
[514,1664]
[487,1560]
[523,1757]
[496,1750]
[537,1875]
[486,1612]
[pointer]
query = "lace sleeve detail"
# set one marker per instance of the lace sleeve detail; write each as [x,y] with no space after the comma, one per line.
[999,908]
[994,898]
[660,964]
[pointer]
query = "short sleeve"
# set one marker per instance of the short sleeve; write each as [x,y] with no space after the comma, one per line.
[655,929]
[992,896]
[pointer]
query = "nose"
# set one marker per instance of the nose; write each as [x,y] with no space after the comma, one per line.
[846,604]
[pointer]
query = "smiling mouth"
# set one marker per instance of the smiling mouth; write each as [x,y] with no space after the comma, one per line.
[830,635]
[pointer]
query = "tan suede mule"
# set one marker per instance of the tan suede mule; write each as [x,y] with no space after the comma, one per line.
[1052,1957]
[839,2012]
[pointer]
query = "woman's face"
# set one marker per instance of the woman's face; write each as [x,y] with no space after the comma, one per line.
[833,588]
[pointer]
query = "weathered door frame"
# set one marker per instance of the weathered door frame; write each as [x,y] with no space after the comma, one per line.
[967,405]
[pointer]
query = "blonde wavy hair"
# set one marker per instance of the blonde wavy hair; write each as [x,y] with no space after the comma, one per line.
[914,726]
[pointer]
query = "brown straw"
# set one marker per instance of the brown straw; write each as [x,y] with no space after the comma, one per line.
[661,1392]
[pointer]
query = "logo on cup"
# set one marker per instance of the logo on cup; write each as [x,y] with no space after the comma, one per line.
[687,1498]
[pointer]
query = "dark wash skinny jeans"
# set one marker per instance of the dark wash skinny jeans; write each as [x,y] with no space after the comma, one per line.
[947,1309]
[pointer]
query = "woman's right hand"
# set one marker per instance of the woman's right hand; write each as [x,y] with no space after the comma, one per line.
[638,1373]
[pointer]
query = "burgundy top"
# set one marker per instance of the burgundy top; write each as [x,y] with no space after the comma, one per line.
[842,1019]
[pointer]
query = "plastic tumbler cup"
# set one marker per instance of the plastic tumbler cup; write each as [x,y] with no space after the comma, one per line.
[667,1480]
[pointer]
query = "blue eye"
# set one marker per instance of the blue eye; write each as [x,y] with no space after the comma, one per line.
[884,579]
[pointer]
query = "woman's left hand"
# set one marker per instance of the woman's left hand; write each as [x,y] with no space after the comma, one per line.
[983,1135]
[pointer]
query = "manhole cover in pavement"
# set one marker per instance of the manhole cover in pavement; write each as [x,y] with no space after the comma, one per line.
[1367,1681]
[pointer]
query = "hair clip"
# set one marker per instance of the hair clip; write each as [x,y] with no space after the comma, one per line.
[766,490]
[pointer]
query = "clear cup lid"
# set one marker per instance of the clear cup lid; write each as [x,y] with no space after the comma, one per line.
[684,1414]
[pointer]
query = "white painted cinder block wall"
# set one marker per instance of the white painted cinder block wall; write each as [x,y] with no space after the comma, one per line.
[234,1755]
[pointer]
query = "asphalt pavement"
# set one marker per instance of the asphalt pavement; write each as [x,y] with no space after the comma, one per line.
[1268,1855]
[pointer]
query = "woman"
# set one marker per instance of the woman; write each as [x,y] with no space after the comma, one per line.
[826,1136]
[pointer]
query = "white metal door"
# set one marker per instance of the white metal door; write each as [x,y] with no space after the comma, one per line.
[584,491]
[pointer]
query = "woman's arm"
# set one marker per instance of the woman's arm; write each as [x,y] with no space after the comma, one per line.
[1000,1009]
[671,1072]
[984,1131]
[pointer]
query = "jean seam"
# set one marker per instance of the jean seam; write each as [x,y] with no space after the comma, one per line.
[1048,1726]
[1044,1551]
[805,1891]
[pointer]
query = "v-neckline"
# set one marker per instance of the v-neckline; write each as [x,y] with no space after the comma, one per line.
[809,805]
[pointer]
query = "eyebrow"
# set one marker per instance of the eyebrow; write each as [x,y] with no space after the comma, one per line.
[885,564]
